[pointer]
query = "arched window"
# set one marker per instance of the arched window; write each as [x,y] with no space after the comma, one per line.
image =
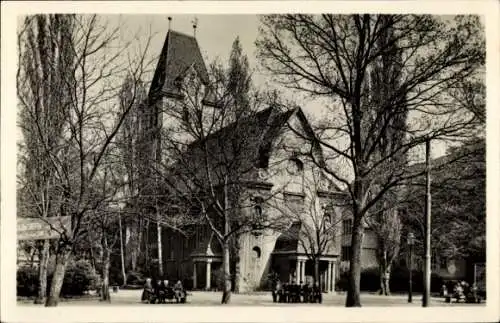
[256,252]
[257,211]
[258,218]
[328,218]
[295,166]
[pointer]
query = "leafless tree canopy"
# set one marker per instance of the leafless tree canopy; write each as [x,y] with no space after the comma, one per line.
[70,73]
[335,58]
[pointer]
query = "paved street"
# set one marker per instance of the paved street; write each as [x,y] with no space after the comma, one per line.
[132,297]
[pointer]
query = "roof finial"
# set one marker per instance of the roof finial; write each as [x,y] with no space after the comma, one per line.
[195,25]
[169,22]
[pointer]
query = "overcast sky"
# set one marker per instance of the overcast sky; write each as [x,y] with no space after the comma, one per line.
[215,33]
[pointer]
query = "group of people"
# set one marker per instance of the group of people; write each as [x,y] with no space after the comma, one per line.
[462,291]
[296,293]
[160,290]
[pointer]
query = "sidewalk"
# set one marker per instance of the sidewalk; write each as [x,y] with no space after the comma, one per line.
[200,298]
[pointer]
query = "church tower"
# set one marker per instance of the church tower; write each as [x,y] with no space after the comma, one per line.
[180,61]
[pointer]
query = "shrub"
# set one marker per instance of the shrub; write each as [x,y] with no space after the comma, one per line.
[27,281]
[115,276]
[343,282]
[370,279]
[79,277]
[219,278]
[400,280]
[135,278]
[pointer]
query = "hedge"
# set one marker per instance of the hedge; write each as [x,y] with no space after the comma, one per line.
[399,281]
[79,278]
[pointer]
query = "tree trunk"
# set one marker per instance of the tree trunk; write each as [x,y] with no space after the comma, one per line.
[91,249]
[353,291]
[159,242]
[135,243]
[62,257]
[385,276]
[106,262]
[226,294]
[42,272]
[237,265]
[146,258]
[317,277]
[122,254]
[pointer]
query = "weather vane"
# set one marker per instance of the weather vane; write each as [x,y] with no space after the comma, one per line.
[195,25]
[169,22]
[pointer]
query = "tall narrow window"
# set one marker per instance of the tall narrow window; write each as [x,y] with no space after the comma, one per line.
[347,226]
[346,253]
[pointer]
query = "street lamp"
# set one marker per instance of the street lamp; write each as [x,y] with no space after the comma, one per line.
[411,241]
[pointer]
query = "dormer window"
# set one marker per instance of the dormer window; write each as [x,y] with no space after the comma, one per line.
[258,215]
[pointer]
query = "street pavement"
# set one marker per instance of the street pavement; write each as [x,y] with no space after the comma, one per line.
[199,298]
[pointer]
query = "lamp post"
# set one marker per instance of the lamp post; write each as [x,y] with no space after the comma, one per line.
[411,241]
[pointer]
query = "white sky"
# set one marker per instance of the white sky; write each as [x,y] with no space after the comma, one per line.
[215,33]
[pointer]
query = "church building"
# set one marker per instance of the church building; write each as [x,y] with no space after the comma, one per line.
[293,182]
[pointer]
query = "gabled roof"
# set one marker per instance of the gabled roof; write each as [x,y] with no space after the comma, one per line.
[265,124]
[258,132]
[180,53]
[294,240]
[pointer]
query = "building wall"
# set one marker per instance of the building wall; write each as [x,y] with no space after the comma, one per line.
[256,250]
[255,257]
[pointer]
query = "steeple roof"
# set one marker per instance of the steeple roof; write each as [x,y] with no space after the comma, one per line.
[180,53]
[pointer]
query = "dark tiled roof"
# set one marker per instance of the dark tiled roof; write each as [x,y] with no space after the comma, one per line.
[180,52]
[267,122]
[289,240]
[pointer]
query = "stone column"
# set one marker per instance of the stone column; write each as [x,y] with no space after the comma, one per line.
[298,270]
[334,276]
[302,271]
[194,275]
[328,276]
[208,273]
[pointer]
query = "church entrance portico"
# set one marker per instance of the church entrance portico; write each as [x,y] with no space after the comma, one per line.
[204,272]
[294,269]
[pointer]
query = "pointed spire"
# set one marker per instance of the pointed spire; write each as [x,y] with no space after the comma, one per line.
[195,25]
[169,22]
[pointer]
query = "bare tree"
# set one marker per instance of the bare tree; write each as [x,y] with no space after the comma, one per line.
[128,142]
[91,119]
[44,99]
[330,57]
[316,217]
[387,227]
[459,208]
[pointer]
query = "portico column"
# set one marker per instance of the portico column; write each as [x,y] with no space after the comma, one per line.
[328,276]
[334,276]
[302,271]
[209,271]
[298,270]
[194,275]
